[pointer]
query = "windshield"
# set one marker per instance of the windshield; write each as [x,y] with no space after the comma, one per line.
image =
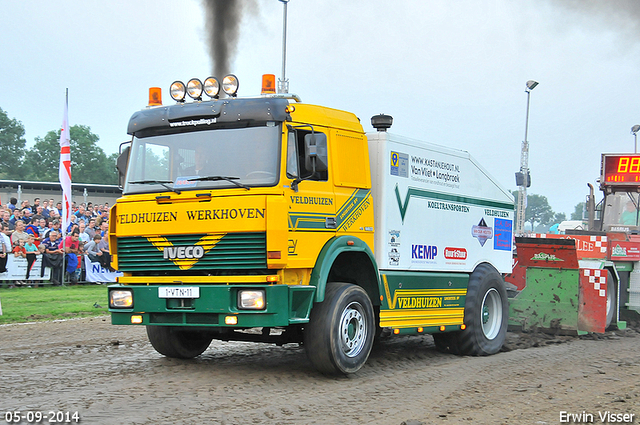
[212,159]
[621,209]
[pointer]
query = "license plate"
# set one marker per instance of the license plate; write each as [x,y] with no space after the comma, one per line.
[179,292]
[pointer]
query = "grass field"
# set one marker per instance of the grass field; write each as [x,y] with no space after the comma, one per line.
[25,304]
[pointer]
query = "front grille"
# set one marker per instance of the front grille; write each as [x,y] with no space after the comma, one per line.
[229,251]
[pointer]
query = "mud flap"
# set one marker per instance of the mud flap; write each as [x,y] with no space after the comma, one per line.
[592,309]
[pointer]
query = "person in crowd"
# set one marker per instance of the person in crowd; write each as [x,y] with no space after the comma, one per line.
[36,202]
[105,259]
[31,252]
[17,215]
[51,207]
[52,256]
[6,247]
[80,212]
[27,215]
[12,204]
[91,228]
[87,215]
[32,230]
[6,218]
[72,249]
[19,234]
[92,250]
[18,249]
[104,227]
[40,211]
[42,228]
[84,236]
[59,207]
[55,225]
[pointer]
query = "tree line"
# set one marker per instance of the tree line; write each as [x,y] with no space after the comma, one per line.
[89,162]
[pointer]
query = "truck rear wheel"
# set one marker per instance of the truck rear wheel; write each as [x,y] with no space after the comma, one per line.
[177,343]
[485,316]
[341,330]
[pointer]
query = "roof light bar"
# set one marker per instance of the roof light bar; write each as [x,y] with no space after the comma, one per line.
[211,88]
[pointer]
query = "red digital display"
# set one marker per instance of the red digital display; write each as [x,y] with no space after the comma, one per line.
[620,170]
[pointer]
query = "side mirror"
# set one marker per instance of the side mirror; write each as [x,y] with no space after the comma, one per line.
[315,151]
[122,163]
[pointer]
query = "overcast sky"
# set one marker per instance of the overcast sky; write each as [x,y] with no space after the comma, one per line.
[449,72]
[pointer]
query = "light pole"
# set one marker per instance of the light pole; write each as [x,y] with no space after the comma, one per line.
[522,178]
[283,83]
[634,131]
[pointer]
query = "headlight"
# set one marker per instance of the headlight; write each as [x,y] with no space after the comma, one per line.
[121,298]
[251,299]
[212,87]
[178,91]
[194,88]
[230,85]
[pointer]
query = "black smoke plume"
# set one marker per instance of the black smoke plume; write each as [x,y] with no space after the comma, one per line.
[223,22]
[620,15]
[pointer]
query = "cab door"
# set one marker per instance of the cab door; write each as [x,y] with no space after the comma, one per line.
[352,185]
[310,197]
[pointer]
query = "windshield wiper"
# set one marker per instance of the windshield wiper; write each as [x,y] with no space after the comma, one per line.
[218,178]
[160,182]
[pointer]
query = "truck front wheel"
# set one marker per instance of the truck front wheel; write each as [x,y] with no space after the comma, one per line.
[341,330]
[485,316]
[177,343]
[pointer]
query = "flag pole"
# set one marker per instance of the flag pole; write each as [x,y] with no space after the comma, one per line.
[65,178]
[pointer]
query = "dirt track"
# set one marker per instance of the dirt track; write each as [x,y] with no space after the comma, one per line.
[110,374]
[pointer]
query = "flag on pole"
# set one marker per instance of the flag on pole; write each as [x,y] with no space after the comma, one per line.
[65,167]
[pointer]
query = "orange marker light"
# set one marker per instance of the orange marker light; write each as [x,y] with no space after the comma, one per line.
[463,327]
[396,331]
[155,96]
[268,84]
[420,330]
[274,255]
[442,328]
[272,278]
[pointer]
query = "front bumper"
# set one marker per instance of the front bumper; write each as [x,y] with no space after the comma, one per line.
[285,305]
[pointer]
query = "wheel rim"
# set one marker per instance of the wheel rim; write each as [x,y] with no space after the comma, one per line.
[491,314]
[353,329]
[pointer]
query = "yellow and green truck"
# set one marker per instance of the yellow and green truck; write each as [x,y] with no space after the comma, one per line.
[267,219]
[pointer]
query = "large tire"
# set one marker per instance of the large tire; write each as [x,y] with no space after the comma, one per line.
[341,330]
[485,316]
[612,300]
[177,343]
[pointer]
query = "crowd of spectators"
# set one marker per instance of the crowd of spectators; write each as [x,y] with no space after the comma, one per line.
[29,230]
